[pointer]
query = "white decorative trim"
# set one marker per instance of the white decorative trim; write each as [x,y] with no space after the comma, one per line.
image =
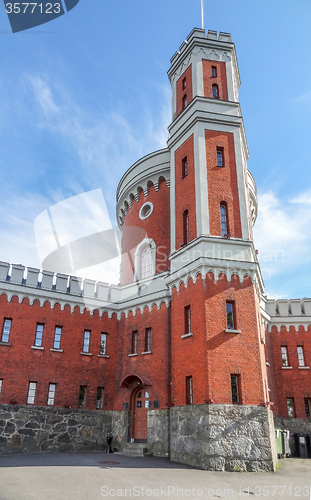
[147,204]
[137,257]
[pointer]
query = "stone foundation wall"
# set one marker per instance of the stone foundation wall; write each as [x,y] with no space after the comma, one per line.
[223,437]
[158,432]
[35,428]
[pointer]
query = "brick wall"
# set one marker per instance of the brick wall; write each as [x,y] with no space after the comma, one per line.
[222,183]
[220,79]
[185,191]
[291,382]
[211,355]
[180,91]
[68,369]
[156,227]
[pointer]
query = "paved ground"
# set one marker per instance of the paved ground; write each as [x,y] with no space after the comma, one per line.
[94,476]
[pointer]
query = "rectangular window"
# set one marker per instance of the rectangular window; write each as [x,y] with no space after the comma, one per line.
[82,396]
[284,356]
[230,315]
[39,335]
[189,391]
[51,395]
[290,407]
[186,227]
[1,380]
[235,388]
[184,83]
[148,340]
[187,317]
[103,343]
[220,157]
[86,341]
[184,167]
[99,398]
[301,358]
[134,342]
[184,102]
[307,407]
[57,336]
[31,393]
[6,330]
[214,71]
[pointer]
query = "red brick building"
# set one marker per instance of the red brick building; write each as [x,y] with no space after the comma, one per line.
[187,337]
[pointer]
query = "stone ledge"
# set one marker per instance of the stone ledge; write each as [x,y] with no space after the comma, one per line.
[39,348]
[103,356]
[229,330]
[190,334]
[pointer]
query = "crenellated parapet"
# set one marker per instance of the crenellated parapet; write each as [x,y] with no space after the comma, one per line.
[288,313]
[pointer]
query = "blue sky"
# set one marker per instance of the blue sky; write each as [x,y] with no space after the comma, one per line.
[85,96]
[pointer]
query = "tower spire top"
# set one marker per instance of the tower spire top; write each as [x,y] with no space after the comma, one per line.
[202,14]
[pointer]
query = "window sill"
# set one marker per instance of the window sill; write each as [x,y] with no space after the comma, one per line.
[39,348]
[103,356]
[147,352]
[190,334]
[56,350]
[86,353]
[231,330]
[5,343]
[133,354]
[287,367]
[303,368]
[268,364]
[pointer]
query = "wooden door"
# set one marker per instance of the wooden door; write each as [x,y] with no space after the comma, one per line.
[140,415]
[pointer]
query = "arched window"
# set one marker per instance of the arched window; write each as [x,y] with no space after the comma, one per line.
[223,219]
[184,101]
[215,91]
[185,227]
[146,264]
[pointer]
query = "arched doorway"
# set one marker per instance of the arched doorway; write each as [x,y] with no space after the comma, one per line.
[140,405]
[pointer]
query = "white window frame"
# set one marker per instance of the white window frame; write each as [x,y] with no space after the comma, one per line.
[31,393]
[86,341]
[1,383]
[51,395]
[301,356]
[138,254]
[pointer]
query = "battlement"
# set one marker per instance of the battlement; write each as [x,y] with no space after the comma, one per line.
[200,33]
[288,308]
[54,282]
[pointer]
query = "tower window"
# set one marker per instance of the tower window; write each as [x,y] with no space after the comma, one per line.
[187,317]
[230,316]
[51,395]
[86,341]
[99,398]
[214,71]
[103,343]
[148,340]
[1,381]
[290,407]
[223,219]
[235,389]
[134,341]
[82,396]
[6,330]
[215,91]
[189,391]
[301,359]
[184,83]
[220,157]
[284,355]
[146,266]
[186,227]
[184,167]
[57,337]
[31,393]
[307,407]
[39,335]
[184,101]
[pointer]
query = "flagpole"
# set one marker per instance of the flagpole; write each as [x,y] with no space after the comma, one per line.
[202,14]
